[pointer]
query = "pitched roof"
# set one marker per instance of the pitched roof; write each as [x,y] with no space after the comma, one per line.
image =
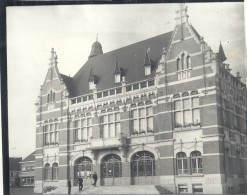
[30,157]
[195,32]
[131,59]
[68,81]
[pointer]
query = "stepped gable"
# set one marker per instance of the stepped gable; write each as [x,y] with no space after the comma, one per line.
[131,59]
[68,81]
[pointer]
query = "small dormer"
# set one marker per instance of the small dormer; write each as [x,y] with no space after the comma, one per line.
[147,64]
[118,73]
[92,80]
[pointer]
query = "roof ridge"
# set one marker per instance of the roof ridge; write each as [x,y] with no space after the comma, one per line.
[107,53]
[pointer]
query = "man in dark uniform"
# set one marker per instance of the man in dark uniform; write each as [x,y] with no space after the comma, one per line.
[69,186]
[80,182]
[95,178]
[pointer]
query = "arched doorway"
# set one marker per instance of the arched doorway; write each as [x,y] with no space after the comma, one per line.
[84,168]
[111,170]
[143,168]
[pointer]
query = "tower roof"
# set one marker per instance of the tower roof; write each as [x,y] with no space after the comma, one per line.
[221,54]
[96,49]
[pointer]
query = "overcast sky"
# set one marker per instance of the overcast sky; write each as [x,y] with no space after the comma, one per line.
[71,30]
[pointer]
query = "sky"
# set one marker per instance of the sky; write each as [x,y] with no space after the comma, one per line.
[71,30]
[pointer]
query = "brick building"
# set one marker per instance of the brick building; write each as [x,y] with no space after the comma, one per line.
[14,170]
[27,171]
[164,111]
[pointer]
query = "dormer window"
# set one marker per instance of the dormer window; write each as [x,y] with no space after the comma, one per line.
[92,85]
[117,78]
[92,80]
[147,70]
[118,73]
[147,64]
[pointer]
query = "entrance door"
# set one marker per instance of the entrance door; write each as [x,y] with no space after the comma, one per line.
[112,170]
[143,168]
[84,168]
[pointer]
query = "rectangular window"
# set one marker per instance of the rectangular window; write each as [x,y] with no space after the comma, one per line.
[111,118]
[178,118]
[196,116]
[84,98]
[143,125]
[117,117]
[90,97]
[149,111]
[99,95]
[186,104]
[187,117]
[105,131]
[150,124]
[134,114]
[177,105]
[73,101]
[151,83]
[143,84]
[118,128]
[119,90]
[84,133]
[195,102]
[112,92]
[136,86]
[142,112]
[105,93]
[129,88]
[78,100]
[112,130]
[147,70]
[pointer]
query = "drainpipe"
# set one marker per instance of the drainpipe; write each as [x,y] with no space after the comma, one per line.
[173,153]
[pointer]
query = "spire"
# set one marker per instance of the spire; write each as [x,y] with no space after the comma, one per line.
[117,69]
[96,48]
[221,54]
[91,75]
[147,61]
[181,14]
[53,59]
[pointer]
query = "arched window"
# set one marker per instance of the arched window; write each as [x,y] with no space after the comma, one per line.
[143,164]
[182,61]
[188,62]
[182,163]
[54,97]
[54,171]
[111,166]
[196,162]
[83,167]
[48,98]
[51,96]
[178,64]
[47,171]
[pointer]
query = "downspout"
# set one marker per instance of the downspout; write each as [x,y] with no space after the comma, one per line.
[40,119]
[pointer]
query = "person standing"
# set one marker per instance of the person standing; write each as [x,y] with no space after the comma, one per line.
[69,185]
[80,182]
[95,178]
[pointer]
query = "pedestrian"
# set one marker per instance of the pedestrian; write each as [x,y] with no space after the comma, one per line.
[69,185]
[95,178]
[80,182]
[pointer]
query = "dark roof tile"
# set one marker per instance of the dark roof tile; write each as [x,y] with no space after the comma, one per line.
[131,59]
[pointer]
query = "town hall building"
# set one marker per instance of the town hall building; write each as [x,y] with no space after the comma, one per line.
[165,111]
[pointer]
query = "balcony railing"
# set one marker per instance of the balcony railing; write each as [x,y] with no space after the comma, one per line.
[107,142]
